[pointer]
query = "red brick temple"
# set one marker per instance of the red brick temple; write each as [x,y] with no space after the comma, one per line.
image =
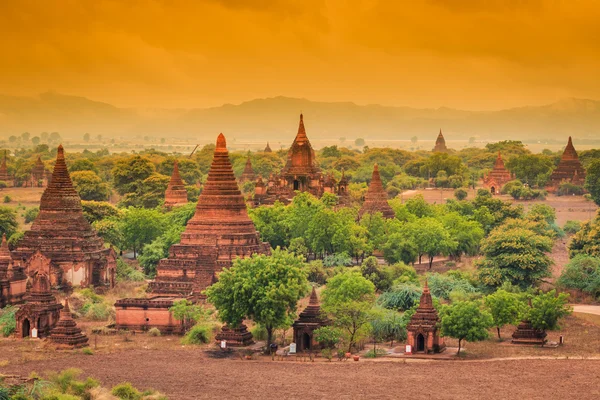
[376,198]
[41,310]
[13,282]
[176,195]
[268,148]
[248,174]
[219,232]
[440,144]
[61,242]
[423,333]
[569,169]
[497,177]
[310,319]
[4,175]
[526,334]
[38,173]
[66,333]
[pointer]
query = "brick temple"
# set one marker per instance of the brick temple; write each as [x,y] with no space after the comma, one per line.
[38,173]
[440,144]
[41,310]
[13,281]
[309,320]
[423,333]
[66,333]
[4,174]
[248,175]
[526,334]
[569,169]
[376,198]
[176,194]
[219,232]
[61,242]
[497,177]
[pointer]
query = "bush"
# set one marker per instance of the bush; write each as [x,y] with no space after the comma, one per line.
[31,214]
[8,323]
[87,351]
[99,312]
[317,273]
[454,282]
[336,260]
[375,354]
[125,391]
[572,227]
[126,272]
[7,199]
[154,332]
[327,336]
[401,297]
[199,334]
[259,332]
[582,273]
[568,189]
[461,194]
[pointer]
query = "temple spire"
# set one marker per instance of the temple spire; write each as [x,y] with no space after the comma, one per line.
[176,194]
[376,197]
[314,299]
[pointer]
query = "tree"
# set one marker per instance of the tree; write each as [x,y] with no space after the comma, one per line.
[429,237]
[386,325]
[327,336]
[348,299]
[592,180]
[188,313]
[465,320]
[140,226]
[263,288]
[587,239]
[89,186]
[110,231]
[8,221]
[129,173]
[547,309]
[86,137]
[35,140]
[98,210]
[360,142]
[82,164]
[533,169]
[460,194]
[25,136]
[582,273]
[505,308]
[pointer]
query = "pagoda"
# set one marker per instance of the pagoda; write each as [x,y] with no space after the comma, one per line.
[41,310]
[526,334]
[248,174]
[497,177]
[38,173]
[569,169]
[309,320]
[66,332]
[4,175]
[376,198]
[268,148]
[176,195]
[61,242]
[13,282]
[423,332]
[440,144]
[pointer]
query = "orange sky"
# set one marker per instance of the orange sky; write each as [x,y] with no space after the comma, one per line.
[472,54]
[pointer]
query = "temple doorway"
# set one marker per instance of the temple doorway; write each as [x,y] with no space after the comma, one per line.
[296,185]
[306,341]
[26,328]
[420,343]
[493,190]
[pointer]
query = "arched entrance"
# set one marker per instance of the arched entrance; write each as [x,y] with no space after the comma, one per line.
[420,343]
[25,328]
[493,190]
[296,184]
[306,341]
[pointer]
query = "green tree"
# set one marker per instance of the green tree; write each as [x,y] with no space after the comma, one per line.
[429,237]
[398,248]
[460,194]
[8,221]
[110,231]
[82,164]
[465,320]
[129,173]
[587,239]
[386,325]
[582,273]
[533,169]
[271,222]
[263,288]
[140,226]
[348,299]
[514,255]
[99,210]
[547,309]
[86,137]
[89,186]
[188,313]
[592,180]
[506,308]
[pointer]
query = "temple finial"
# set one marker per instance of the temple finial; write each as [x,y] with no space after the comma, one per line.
[221,142]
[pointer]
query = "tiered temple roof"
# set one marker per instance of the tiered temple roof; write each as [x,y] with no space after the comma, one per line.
[423,334]
[268,148]
[4,175]
[37,172]
[569,168]
[176,195]
[219,231]
[308,321]
[248,174]
[41,310]
[376,198]
[301,160]
[66,332]
[498,176]
[61,234]
[440,144]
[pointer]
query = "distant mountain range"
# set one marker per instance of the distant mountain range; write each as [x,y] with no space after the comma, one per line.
[273,118]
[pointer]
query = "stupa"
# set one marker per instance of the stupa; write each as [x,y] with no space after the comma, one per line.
[423,333]
[38,173]
[219,232]
[176,195]
[309,320]
[569,169]
[61,242]
[248,174]
[440,144]
[376,198]
[497,177]
[268,148]
[526,334]
[13,282]
[41,310]
[66,332]
[4,175]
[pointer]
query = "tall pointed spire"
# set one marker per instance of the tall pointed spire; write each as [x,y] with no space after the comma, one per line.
[248,174]
[301,137]
[569,169]
[314,299]
[268,148]
[66,332]
[376,197]
[440,143]
[176,194]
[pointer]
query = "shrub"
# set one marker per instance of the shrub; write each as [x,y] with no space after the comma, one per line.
[327,336]
[154,332]
[572,227]
[199,334]
[8,323]
[375,353]
[31,214]
[98,312]
[461,194]
[125,391]
[443,285]
[87,351]
[582,273]
[401,297]
[259,332]
[7,199]
[568,189]
[338,259]
[317,273]
[126,272]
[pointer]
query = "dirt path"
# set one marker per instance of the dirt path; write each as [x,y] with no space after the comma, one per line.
[586,309]
[193,375]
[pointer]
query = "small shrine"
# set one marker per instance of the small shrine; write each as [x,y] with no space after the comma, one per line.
[423,331]
[497,177]
[569,169]
[235,337]
[309,320]
[440,144]
[66,332]
[176,194]
[13,281]
[376,198]
[40,312]
[38,173]
[526,334]
[248,174]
